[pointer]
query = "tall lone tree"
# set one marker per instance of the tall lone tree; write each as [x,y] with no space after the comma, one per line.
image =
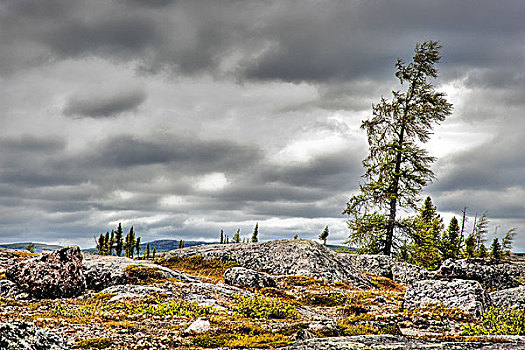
[397,167]
[324,235]
[255,234]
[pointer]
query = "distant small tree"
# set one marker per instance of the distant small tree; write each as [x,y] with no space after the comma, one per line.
[154,252]
[31,247]
[255,233]
[324,235]
[147,252]
[107,243]
[119,240]
[480,232]
[506,242]
[227,239]
[495,250]
[111,244]
[222,237]
[237,236]
[181,244]
[130,243]
[296,236]
[101,244]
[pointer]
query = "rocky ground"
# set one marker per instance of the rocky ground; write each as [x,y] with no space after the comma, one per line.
[289,294]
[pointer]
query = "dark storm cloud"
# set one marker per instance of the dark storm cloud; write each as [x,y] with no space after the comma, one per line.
[105,105]
[182,153]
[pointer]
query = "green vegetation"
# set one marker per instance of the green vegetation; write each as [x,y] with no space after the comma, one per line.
[255,233]
[324,235]
[138,274]
[107,242]
[260,306]
[31,247]
[499,321]
[93,343]
[397,167]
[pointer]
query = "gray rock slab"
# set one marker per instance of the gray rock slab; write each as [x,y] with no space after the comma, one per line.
[512,297]
[284,257]
[390,342]
[378,265]
[407,273]
[25,336]
[468,296]
[243,277]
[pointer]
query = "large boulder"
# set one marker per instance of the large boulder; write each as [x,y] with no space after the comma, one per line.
[242,277]
[284,257]
[376,264]
[465,295]
[512,297]
[102,271]
[492,274]
[407,273]
[55,275]
[25,336]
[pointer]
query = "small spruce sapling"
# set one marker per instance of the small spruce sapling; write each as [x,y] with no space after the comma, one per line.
[237,236]
[495,250]
[324,235]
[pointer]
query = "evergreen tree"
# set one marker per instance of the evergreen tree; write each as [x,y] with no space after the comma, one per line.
[237,236]
[397,167]
[147,252]
[506,243]
[450,241]
[227,240]
[296,236]
[181,244]
[324,235]
[425,232]
[111,242]
[470,246]
[100,244]
[130,243]
[119,242]
[480,231]
[255,233]
[495,250]
[31,247]
[137,246]
[154,252]
[222,237]
[107,243]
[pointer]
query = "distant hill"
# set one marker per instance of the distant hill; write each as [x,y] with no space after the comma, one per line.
[39,247]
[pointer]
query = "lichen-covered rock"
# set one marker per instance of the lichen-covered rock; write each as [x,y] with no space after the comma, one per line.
[131,291]
[512,297]
[285,257]
[465,295]
[393,342]
[407,273]
[242,277]
[375,264]
[11,290]
[105,271]
[25,336]
[55,275]
[200,325]
[492,274]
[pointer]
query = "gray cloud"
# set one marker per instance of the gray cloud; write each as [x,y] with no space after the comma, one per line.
[105,105]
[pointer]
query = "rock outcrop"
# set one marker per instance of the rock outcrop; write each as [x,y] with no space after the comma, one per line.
[55,275]
[25,336]
[393,342]
[133,291]
[376,264]
[492,274]
[407,273]
[105,271]
[512,297]
[285,257]
[468,296]
[242,277]
[9,289]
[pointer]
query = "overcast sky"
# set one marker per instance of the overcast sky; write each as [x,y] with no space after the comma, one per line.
[183,118]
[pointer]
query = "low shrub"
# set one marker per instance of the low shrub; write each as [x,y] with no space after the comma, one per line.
[260,306]
[197,265]
[140,274]
[93,343]
[503,321]
[324,299]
